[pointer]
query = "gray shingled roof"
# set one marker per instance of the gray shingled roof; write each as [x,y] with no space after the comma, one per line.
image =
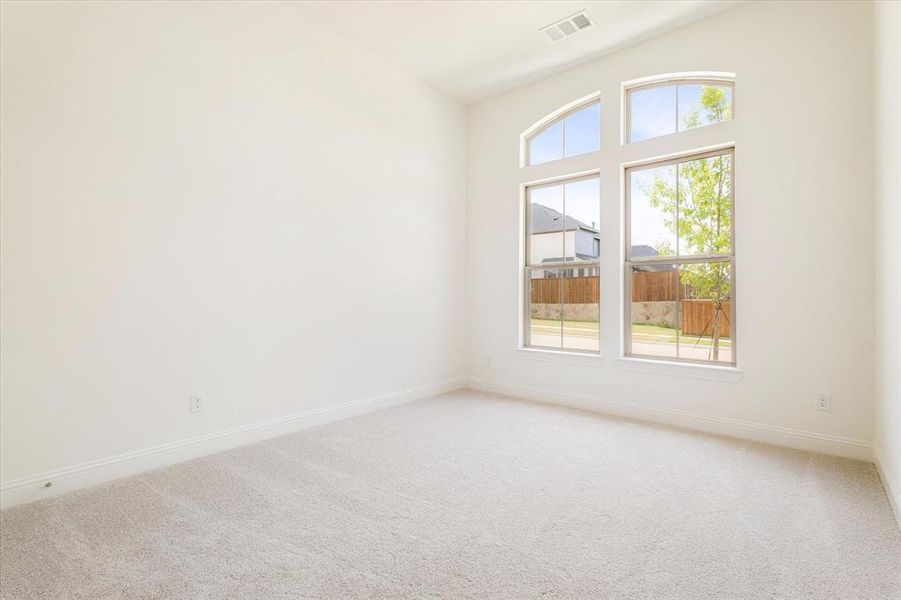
[640,250]
[643,250]
[546,220]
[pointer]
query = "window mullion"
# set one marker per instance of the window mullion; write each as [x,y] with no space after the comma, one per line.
[678,310]
[561,288]
[560,291]
[678,252]
[676,115]
[678,202]
[563,138]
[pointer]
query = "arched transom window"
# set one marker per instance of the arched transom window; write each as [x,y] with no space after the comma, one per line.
[570,131]
[667,105]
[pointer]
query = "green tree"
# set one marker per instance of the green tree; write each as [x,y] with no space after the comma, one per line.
[697,207]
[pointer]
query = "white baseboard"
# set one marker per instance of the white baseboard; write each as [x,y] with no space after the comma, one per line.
[891,488]
[32,488]
[67,479]
[758,432]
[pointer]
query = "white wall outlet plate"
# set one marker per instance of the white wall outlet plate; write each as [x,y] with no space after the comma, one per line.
[823,401]
[195,404]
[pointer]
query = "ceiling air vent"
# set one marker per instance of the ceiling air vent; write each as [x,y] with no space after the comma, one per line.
[568,26]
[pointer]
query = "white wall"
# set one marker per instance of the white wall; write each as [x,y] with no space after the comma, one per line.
[887,107]
[179,184]
[173,175]
[804,219]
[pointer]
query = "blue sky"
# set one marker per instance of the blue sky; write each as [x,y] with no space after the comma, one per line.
[654,109]
[653,114]
[648,227]
[582,199]
[582,135]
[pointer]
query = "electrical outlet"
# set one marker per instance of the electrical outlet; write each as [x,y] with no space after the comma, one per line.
[195,404]
[823,402]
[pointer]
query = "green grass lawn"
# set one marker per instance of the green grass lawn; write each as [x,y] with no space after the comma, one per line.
[667,335]
[583,328]
[640,332]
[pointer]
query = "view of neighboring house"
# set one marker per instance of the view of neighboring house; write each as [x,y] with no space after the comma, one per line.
[642,251]
[554,237]
[552,232]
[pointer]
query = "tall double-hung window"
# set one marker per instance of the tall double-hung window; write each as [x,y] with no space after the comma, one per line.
[678,258]
[562,236]
[679,227]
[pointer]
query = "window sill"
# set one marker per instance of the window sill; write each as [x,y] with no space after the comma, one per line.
[677,369]
[558,356]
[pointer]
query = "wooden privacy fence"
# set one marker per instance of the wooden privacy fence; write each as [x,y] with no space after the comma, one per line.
[654,286]
[646,287]
[697,318]
[575,290]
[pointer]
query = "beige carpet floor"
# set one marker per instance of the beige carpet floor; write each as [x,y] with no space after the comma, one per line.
[469,495]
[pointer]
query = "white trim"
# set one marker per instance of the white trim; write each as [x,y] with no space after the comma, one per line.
[890,486]
[561,356]
[724,76]
[758,432]
[681,369]
[679,155]
[558,179]
[66,479]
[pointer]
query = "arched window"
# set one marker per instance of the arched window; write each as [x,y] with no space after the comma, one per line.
[561,246]
[569,131]
[672,103]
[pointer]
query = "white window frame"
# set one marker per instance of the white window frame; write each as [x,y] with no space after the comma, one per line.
[527,268]
[608,163]
[630,261]
[552,119]
[719,79]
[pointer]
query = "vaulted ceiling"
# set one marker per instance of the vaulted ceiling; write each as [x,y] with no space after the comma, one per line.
[474,49]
